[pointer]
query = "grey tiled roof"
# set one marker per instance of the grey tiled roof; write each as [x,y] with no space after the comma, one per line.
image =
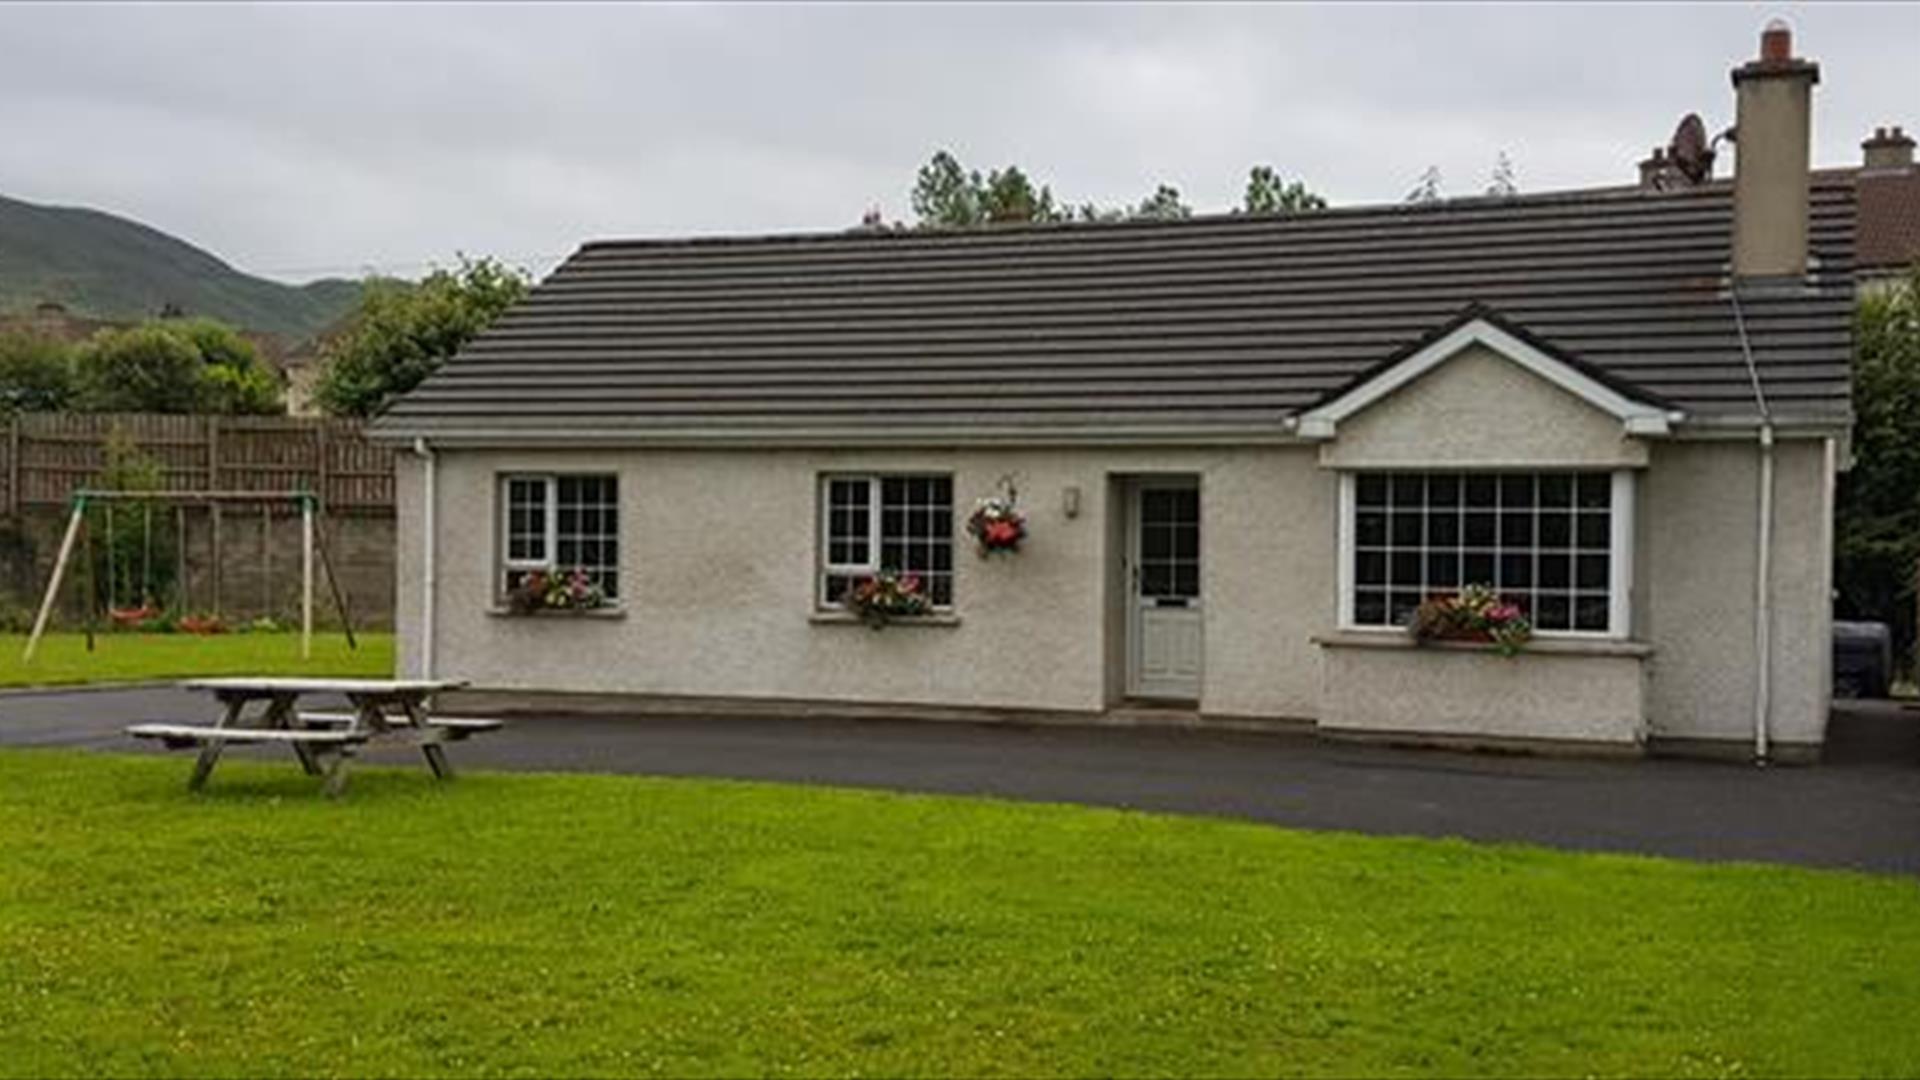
[1216,323]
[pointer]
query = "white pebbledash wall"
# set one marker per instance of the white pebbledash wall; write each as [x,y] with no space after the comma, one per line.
[719,554]
[719,579]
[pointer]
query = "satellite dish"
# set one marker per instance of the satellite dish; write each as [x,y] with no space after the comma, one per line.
[1690,151]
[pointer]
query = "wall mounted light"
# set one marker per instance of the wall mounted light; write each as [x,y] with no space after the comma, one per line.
[1070,502]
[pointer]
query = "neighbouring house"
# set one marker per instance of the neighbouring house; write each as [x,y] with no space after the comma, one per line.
[1246,449]
[1888,190]
[301,369]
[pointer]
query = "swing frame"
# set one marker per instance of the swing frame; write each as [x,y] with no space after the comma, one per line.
[310,541]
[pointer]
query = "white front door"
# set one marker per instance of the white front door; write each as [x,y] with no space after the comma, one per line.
[1164,624]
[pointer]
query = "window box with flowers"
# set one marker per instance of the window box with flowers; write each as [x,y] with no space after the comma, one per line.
[541,592]
[885,596]
[1475,613]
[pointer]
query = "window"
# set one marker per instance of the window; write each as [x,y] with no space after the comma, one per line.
[1170,542]
[560,523]
[899,523]
[1553,543]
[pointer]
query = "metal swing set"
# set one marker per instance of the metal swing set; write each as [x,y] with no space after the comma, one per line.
[312,542]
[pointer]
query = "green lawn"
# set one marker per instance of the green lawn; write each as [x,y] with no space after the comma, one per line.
[63,658]
[542,925]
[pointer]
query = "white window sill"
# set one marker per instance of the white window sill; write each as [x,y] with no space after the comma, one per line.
[848,618]
[1552,646]
[611,611]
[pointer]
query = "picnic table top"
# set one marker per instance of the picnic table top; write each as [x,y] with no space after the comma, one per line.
[274,684]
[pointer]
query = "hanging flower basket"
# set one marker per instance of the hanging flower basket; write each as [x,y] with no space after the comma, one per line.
[997,525]
[545,590]
[886,596]
[1475,613]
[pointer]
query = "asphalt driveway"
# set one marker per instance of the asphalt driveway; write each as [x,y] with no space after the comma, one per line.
[1860,809]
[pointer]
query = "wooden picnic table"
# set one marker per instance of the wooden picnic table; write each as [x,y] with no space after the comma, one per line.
[382,710]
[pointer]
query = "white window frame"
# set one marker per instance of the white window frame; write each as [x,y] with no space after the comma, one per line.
[829,568]
[1619,552]
[550,540]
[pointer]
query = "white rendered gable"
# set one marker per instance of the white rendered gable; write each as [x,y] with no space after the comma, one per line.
[1636,417]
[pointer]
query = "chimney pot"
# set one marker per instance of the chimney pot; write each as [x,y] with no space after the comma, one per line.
[1776,42]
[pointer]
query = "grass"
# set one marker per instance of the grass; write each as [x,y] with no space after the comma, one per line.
[63,659]
[576,925]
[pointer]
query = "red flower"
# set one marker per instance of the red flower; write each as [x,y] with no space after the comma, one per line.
[1002,533]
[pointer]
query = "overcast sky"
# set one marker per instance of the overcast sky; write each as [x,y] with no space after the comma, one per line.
[302,141]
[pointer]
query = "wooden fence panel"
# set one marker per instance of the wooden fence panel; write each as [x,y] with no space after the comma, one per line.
[45,457]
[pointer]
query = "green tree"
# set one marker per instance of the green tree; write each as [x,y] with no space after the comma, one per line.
[402,332]
[36,374]
[1877,526]
[174,366]
[1010,198]
[946,195]
[234,379]
[1163,205]
[147,368]
[1267,193]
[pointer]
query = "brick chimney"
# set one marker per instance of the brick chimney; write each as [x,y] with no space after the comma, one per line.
[1890,150]
[1773,129]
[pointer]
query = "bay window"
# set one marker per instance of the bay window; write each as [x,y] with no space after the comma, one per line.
[1556,543]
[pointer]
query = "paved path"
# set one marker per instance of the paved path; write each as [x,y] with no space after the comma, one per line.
[1861,809]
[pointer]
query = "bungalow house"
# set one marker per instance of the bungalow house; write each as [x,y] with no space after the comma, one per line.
[1246,449]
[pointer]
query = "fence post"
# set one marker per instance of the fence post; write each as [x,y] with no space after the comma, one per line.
[213,510]
[13,464]
[321,449]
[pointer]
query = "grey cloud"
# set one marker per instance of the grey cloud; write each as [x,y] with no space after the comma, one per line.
[300,140]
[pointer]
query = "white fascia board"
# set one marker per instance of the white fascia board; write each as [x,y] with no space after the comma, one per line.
[1637,417]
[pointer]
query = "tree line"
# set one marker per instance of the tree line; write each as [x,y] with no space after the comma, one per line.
[400,332]
[948,195]
[165,365]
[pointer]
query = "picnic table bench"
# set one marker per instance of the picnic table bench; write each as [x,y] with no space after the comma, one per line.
[382,710]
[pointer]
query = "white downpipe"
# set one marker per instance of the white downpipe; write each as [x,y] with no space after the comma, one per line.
[1763,604]
[1763,574]
[429,578]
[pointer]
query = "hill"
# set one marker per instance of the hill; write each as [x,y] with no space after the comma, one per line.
[108,267]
